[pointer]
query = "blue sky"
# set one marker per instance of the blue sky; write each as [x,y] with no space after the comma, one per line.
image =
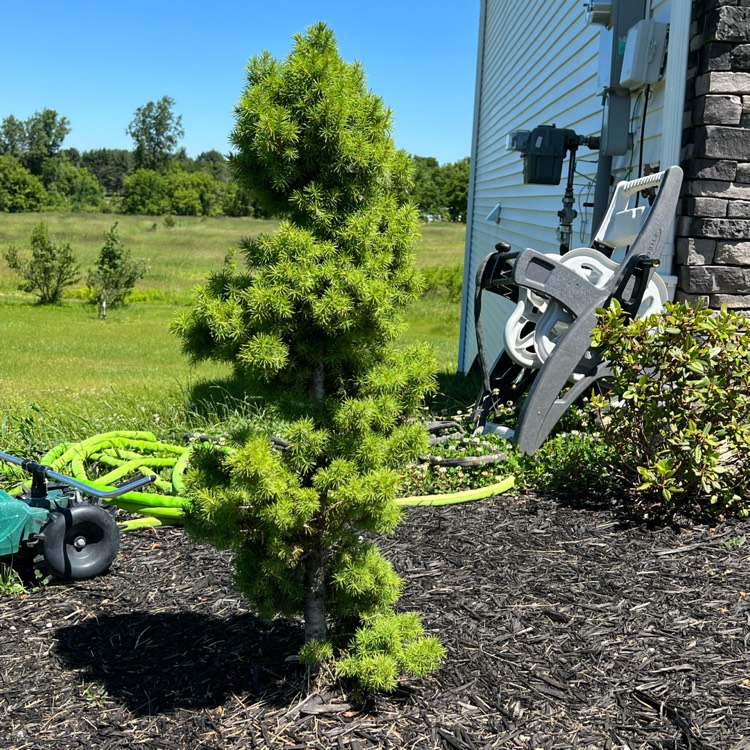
[96,62]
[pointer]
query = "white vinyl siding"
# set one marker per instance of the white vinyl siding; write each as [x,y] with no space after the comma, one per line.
[626,167]
[538,67]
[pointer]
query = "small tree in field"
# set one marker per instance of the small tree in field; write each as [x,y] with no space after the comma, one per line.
[115,273]
[310,324]
[50,269]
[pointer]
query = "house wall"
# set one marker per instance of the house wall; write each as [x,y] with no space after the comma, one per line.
[540,63]
[713,244]
[537,66]
[648,130]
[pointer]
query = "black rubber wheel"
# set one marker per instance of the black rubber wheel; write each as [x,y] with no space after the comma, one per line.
[80,542]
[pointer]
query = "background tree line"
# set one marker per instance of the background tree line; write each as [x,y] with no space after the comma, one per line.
[157,177]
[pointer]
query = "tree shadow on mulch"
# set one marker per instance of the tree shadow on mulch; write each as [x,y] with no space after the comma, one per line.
[160,662]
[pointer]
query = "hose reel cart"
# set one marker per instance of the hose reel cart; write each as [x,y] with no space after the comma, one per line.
[547,352]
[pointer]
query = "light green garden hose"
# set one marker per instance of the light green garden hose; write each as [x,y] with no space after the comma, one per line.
[454,498]
[127,451]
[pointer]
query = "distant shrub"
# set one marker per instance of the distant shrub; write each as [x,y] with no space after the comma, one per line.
[19,189]
[71,187]
[195,193]
[678,416]
[50,269]
[446,280]
[115,272]
[145,192]
[175,192]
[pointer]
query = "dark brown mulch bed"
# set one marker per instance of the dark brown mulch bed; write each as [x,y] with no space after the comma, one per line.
[565,627]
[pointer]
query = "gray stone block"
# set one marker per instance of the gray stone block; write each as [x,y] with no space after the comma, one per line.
[746,104]
[722,229]
[722,82]
[684,226]
[743,173]
[695,251]
[727,24]
[714,280]
[718,109]
[737,209]
[733,301]
[692,299]
[720,142]
[707,207]
[740,57]
[719,189]
[712,169]
[730,253]
[717,56]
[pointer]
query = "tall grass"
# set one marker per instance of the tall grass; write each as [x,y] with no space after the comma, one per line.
[178,257]
[66,374]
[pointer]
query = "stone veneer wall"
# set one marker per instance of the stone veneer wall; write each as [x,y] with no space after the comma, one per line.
[713,226]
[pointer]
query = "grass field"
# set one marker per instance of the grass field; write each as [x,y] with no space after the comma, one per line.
[63,360]
[181,256]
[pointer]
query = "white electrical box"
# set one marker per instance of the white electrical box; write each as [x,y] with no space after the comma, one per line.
[644,54]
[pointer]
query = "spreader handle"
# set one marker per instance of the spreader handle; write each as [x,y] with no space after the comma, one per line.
[47,471]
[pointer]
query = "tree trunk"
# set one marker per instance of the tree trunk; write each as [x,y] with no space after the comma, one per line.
[315,596]
[318,383]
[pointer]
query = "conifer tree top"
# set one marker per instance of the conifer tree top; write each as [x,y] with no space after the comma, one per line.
[313,142]
[321,298]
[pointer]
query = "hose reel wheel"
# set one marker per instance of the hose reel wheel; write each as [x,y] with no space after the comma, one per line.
[538,322]
[519,337]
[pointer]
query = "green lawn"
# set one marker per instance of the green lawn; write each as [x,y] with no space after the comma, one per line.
[178,257]
[181,256]
[65,360]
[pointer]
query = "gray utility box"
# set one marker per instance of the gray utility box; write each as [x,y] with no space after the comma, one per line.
[544,154]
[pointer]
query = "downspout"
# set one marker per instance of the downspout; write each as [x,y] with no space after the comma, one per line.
[675,80]
[467,296]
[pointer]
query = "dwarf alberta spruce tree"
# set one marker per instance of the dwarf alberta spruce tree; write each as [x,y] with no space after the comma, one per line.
[310,325]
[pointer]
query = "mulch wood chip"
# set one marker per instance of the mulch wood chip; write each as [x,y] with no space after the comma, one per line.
[566,627]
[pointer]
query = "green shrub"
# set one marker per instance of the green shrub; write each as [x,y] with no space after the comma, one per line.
[19,189]
[387,645]
[115,272]
[446,280]
[50,269]
[175,192]
[145,193]
[577,461]
[71,187]
[311,326]
[678,417]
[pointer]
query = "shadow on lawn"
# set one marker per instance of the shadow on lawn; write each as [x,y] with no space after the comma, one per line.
[161,662]
[227,398]
[220,396]
[455,391]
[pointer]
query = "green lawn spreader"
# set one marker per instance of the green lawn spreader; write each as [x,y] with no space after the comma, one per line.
[75,535]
